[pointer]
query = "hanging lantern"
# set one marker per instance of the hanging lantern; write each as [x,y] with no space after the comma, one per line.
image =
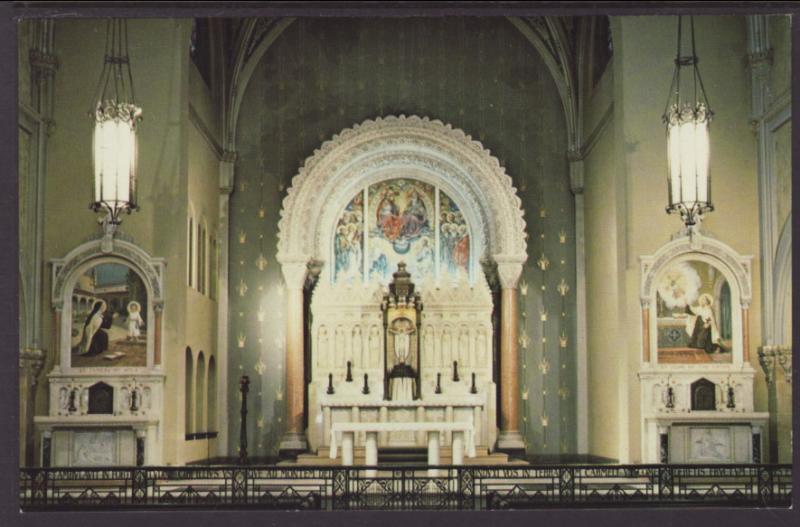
[116,117]
[687,117]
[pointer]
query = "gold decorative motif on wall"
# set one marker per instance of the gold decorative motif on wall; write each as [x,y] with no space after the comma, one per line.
[543,262]
[260,367]
[544,367]
[261,262]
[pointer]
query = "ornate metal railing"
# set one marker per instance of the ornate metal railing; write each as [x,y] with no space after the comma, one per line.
[405,488]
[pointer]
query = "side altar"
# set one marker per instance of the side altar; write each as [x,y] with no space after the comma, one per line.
[405,354]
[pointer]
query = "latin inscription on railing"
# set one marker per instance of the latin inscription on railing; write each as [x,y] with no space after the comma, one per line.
[405,488]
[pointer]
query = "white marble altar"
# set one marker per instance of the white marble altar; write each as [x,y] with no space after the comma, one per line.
[348,327]
[674,429]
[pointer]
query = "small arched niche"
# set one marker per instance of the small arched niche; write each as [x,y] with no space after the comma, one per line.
[109,308]
[695,299]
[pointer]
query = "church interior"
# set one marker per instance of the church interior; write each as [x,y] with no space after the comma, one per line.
[514,241]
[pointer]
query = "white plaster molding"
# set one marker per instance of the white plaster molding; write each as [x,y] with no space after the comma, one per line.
[735,266]
[391,147]
[64,269]
[782,277]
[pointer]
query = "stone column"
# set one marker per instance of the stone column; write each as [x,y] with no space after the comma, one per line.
[576,186]
[348,438]
[227,166]
[371,453]
[746,333]
[759,65]
[433,452]
[294,274]
[159,310]
[509,438]
[646,330]
[663,444]
[776,362]
[31,362]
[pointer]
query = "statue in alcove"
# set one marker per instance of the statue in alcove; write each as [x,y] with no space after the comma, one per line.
[401,317]
[402,376]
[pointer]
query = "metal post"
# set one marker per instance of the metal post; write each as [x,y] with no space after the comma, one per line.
[244,387]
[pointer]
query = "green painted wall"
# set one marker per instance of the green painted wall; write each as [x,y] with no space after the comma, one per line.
[478,74]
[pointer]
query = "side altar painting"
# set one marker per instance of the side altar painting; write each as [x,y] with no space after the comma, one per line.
[401,220]
[694,315]
[109,311]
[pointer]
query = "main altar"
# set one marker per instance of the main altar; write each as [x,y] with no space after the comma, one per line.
[402,354]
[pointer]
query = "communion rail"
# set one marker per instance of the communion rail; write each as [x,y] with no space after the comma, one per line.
[404,488]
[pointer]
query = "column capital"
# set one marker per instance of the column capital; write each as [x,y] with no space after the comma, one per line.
[31,361]
[43,64]
[294,269]
[766,358]
[509,269]
[227,162]
[575,158]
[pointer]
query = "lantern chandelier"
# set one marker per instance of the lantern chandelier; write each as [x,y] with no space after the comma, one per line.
[687,116]
[116,117]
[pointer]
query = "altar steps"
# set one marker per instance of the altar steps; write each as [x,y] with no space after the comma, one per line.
[405,457]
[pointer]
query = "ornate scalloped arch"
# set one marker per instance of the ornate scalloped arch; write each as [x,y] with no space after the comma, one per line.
[396,146]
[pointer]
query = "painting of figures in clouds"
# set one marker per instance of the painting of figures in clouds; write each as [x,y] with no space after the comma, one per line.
[400,226]
[694,315]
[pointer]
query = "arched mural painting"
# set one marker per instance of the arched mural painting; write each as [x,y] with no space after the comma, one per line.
[401,220]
